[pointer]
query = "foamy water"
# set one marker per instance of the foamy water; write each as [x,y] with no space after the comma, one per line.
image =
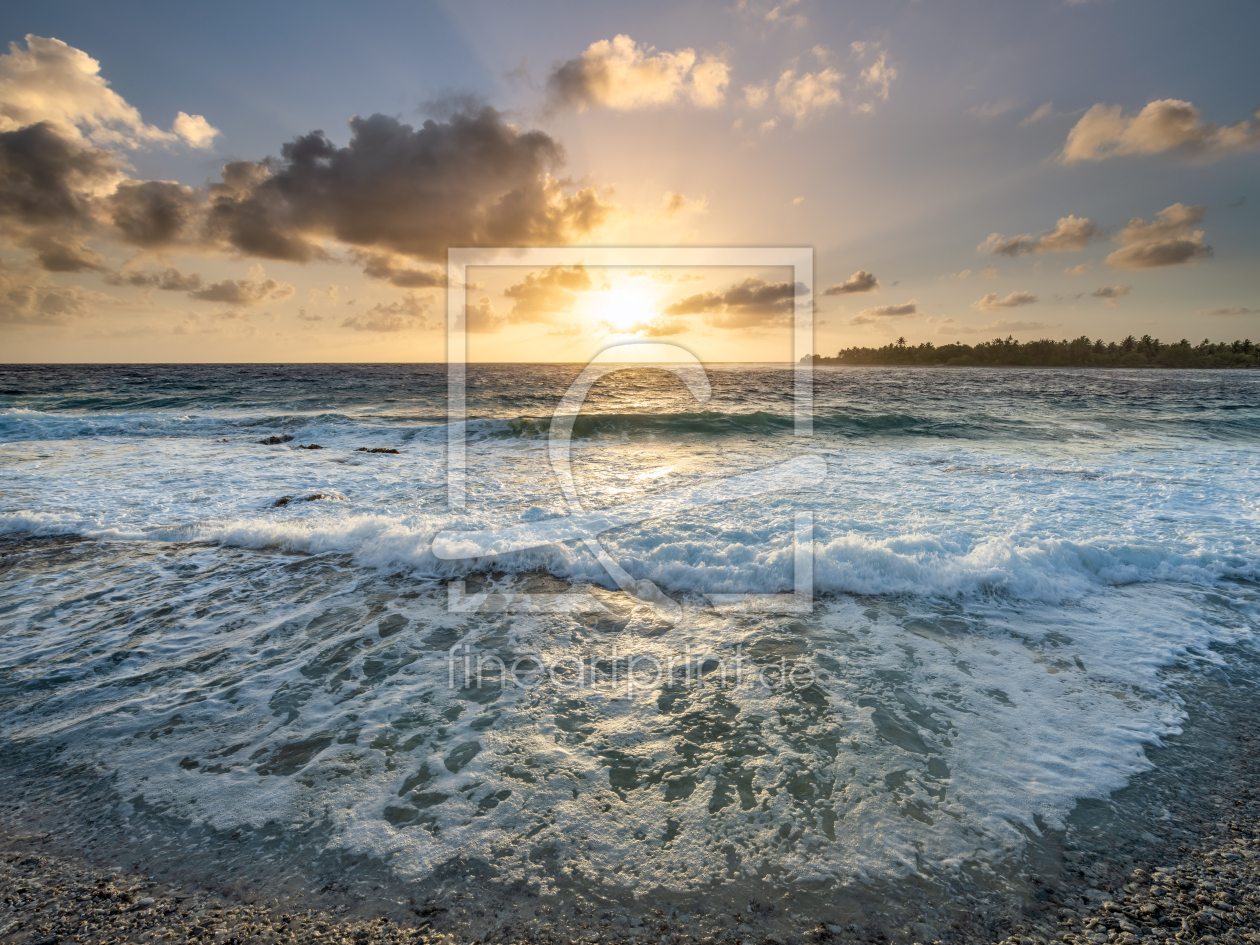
[1007,564]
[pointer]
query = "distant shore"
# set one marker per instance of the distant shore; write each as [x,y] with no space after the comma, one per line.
[1144,352]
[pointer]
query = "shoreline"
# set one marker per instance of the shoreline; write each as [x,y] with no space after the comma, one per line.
[1211,895]
[66,877]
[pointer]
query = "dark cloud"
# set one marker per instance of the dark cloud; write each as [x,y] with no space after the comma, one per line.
[860,281]
[47,179]
[1229,310]
[1112,291]
[170,279]
[239,292]
[753,302]
[155,213]
[472,180]
[63,253]
[1169,240]
[1070,233]
[387,268]
[244,291]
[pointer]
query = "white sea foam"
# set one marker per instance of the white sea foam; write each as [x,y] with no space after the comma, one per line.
[996,624]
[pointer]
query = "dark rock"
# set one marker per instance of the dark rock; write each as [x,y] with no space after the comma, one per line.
[379,449]
[313,497]
[274,440]
[313,446]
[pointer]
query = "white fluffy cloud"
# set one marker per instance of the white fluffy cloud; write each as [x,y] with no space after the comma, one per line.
[1169,240]
[51,81]
[624,75]
[1166,125]
[805,94]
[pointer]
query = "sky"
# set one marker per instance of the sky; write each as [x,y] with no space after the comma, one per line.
[281,182]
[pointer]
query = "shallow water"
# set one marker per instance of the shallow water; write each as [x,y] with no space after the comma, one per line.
[1022,577]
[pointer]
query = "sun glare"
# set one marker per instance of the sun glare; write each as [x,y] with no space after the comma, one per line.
[623,308]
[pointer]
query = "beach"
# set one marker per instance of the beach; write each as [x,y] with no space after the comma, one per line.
[1206,888]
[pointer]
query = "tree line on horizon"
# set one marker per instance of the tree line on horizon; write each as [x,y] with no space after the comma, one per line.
[1080,352]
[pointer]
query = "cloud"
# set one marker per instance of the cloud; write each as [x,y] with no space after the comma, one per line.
[656,328]
[803,95]
[622,75]
[386,267]
[238,292]
[991,110]
[244,292]
[878,76]
[482,318]
[887,311]
[1165,125]
[60,253]
[676,203]
[395,193]
[49,81]
[988,272]
[1112,291]
[1228,310]
[778,14]
[1070,233]
[547,293]
[860,281]
[156,213]
[408,313]
[1003,324]
[1169,240]
[756,96]
[169,279]
[30,298]
[47,178]
[473,180]
[1043,111]
[951,326]
[1078,270]
[991,302]
[751,303]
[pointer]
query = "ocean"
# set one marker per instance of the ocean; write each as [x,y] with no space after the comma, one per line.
[1030,590]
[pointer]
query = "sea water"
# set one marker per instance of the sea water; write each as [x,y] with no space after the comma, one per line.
[1017,577]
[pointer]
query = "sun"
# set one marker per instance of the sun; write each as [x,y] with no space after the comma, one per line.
[624,308]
